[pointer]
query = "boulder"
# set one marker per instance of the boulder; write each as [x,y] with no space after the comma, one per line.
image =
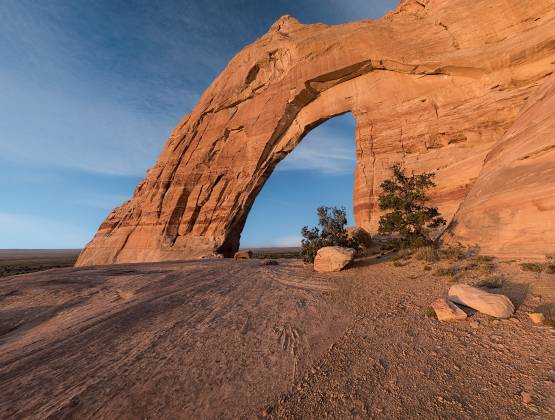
[491,304]
[333,258]
[448,311]
[243,255]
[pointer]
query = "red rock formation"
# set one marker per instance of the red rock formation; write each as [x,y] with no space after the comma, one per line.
[435,84]
[510,210]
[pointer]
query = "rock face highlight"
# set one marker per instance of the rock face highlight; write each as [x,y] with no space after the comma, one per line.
[333,258]
[511,207]
[435,84]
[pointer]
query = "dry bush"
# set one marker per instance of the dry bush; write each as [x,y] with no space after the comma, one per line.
[533,267]
[493,282]
[400,263]
[450,271]
[429,312]
[427,253]
[454,252]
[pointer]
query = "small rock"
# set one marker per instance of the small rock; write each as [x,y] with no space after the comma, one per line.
[447,311]
[536,317]
[526,397]
[243,255]
[474,324]
[495,305]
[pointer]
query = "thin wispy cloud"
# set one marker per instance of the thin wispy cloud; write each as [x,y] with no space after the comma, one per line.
[327,151]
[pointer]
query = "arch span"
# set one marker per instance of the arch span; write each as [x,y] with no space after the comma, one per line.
[431,84]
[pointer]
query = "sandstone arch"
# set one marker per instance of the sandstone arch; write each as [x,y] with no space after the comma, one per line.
[435,83]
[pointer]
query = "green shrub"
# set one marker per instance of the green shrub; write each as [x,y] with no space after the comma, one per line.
[534,267]
[410,218]
[494,282]
[332,232]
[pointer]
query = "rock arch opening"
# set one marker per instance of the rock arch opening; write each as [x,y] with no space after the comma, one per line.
[319,171]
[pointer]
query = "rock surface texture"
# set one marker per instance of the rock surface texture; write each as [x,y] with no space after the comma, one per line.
[510,210]
[333,258]
[436,84]
[498,306]
[448,311]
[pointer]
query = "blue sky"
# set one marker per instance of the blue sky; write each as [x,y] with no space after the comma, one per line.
[90,90]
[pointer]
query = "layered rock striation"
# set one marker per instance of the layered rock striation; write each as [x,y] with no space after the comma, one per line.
[435,84]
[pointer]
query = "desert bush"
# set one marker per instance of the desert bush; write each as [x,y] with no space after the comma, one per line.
[454,252]
[429,312]
[450,271]
[410,218]
[534,267]
[428,253]
[486,268]
[484,258]
[550,263]
[332,232]
[493,282]
[400,263]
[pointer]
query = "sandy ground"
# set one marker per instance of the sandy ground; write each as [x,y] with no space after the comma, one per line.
[229,339]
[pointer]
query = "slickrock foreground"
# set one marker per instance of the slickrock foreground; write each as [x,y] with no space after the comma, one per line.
[436,84]
[232,339]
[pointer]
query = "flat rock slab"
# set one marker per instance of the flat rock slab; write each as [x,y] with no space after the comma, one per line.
[333,258]
[195,339]
[498,306]
[448,311]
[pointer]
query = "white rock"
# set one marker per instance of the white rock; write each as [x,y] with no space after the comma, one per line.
[491,304]
[333,258]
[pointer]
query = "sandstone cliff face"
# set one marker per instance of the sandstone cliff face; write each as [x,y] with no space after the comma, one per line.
[510,209]
[434,84]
